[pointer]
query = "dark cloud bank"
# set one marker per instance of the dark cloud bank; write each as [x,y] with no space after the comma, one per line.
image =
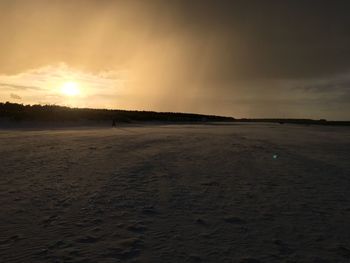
[241,56]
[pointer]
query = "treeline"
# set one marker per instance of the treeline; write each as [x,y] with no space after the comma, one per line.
[54,113]
[298,121]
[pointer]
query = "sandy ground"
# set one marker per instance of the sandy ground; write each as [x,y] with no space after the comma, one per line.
[243,193]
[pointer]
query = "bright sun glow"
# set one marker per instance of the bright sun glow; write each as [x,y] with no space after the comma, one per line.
[70,88]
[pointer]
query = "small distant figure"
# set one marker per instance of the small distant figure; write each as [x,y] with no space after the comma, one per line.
[114,123]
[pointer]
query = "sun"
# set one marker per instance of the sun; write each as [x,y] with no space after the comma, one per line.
[70,88]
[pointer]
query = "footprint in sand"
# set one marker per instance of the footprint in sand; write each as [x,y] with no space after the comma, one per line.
[87,239]
[250,260]
[149,210]
[137,228]
[234,220]
[127,248]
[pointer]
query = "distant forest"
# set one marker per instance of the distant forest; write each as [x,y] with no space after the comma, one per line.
[53,113]
[299,121]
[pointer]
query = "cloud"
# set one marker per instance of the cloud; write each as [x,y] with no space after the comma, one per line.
[15,96]
[181,55]
[340,83]
[39,78]
[44,84]
[19,87]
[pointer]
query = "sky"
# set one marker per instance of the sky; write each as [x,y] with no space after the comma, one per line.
[251,58]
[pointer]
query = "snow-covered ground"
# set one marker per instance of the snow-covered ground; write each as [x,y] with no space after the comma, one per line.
[176,193]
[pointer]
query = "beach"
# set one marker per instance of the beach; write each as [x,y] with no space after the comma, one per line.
[215,192]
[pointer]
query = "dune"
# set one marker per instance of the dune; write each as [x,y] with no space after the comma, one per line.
[235,192]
